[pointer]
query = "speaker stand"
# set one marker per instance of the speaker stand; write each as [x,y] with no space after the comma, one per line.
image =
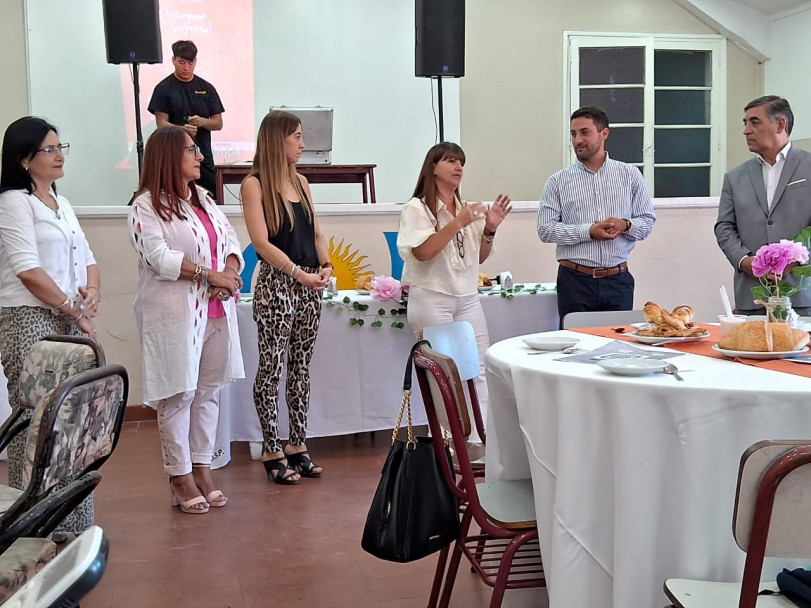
[139,136]
[441,111]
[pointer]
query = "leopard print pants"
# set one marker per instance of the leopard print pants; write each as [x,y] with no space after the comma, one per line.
[287,316]
[24,326]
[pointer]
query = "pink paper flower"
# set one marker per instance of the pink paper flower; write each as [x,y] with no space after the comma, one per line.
[798,251]
[772,258]
[386,288]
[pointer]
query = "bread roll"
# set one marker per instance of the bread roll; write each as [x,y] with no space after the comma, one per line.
[673,321]
[684,313]
[760,336]
[364,282]
[653,314]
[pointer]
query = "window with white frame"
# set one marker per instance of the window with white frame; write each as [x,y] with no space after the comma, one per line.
[665,100]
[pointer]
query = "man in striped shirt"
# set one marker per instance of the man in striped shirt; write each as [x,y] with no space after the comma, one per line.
[595,210]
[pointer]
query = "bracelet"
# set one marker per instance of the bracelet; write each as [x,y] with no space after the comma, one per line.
[81,314]
[289,261]
[627,225]
[67,302]
[488,241]
[98,293]
[294,270]
[204,276]
[197,271]
[232,269]
[490,233]
[328,265]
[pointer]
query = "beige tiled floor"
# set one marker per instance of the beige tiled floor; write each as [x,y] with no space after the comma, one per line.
[270,546]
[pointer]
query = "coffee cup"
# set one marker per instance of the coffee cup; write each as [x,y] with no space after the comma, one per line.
[728,322]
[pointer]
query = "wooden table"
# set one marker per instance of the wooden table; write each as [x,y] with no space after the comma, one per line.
[315,174]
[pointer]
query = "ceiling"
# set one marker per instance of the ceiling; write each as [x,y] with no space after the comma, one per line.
[771,7]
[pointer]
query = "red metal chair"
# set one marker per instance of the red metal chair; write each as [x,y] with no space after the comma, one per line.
[772,504]
[505,553]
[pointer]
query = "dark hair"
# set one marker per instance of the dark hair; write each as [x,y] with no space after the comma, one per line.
[22,141]
[161,175]
[185,49]
[776,107]
[426,187]
[596,113]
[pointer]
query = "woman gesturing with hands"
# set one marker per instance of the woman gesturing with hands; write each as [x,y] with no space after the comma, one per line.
[442,240]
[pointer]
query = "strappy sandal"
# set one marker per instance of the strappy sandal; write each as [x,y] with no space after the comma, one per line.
[300,461]
[215,498]
[188,506]
[279,471]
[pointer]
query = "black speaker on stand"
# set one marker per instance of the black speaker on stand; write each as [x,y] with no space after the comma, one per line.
[132,35]
[439,44]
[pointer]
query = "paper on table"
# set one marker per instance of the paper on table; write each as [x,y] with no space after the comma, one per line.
[619,350]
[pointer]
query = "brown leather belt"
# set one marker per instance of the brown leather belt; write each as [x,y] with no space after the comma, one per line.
[595,273]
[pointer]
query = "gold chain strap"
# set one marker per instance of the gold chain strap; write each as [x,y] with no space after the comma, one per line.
[405,403]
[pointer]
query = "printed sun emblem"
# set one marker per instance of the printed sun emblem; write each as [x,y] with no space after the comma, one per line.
[347,264]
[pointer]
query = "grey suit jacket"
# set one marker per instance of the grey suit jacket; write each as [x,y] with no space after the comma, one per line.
[745,222]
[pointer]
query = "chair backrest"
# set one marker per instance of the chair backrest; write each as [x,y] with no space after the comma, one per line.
[77,428]
[601,318]
[772,504]
[51,361]
[457,340]
[431,368]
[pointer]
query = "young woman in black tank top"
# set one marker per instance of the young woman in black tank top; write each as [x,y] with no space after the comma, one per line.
[294,269]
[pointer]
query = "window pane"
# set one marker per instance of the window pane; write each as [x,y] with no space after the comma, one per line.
[681,146]
[682,107]
[621,105]
[612,65]
[681,181]
[682,68]
[625,144]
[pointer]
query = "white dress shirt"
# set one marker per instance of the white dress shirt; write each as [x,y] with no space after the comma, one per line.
[32,236]
[772,173]
[447,272]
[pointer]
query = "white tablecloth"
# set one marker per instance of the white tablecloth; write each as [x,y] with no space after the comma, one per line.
[357,372]
[634,478]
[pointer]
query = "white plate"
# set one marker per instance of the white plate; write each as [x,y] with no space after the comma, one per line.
[657,339]
[363,292]
[632,367]
[485,288]
[759,356]
[550,343]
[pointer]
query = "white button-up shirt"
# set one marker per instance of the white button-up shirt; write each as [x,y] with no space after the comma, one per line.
[772,173]
[32,236]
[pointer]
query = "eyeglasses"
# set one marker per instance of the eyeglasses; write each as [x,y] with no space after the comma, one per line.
[460,243]
[63,148]
[194,150]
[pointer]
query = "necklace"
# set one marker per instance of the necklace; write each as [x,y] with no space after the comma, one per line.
[46,203]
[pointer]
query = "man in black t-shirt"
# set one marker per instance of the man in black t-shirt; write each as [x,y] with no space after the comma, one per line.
[190,102]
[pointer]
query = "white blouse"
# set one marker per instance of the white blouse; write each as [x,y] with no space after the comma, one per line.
[447,272]
[171,313]
[34,236]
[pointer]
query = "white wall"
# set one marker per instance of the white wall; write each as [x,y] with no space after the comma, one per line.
[354,55]
[786,74]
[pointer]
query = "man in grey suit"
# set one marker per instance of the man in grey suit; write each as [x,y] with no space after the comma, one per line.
[765,199]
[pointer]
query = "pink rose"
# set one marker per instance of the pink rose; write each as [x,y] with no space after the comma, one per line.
[798,251]
[772,258]
[386,288]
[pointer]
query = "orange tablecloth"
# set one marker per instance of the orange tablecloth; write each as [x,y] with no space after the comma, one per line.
[704,347]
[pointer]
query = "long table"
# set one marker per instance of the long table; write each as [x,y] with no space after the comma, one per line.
[357,372]
[315,174]
[634,478]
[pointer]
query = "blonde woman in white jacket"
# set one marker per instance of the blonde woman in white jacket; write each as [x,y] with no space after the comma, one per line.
[189,265]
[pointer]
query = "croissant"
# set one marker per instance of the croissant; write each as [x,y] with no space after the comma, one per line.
[673,321]
[683,312]
[653,314]
[760,336]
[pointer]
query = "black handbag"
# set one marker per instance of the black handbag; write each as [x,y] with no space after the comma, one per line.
[413,512]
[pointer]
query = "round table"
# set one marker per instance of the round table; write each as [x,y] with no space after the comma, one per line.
[634,477]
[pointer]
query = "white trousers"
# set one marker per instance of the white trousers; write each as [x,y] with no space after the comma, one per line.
[188,421]
[427,308]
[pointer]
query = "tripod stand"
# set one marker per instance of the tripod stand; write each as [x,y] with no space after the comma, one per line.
[139,136]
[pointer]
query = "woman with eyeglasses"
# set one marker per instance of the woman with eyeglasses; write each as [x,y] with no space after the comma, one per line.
[49,281]
[188,279]
[442,240]
[294,269]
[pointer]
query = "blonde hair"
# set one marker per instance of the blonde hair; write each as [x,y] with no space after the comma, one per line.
[272,169]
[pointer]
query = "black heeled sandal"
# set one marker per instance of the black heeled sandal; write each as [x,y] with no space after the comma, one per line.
[301,463]
[279,471]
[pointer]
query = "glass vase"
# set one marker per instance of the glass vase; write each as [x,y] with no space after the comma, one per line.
[779,310]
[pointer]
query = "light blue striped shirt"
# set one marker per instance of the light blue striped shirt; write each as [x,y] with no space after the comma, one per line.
[575,197]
